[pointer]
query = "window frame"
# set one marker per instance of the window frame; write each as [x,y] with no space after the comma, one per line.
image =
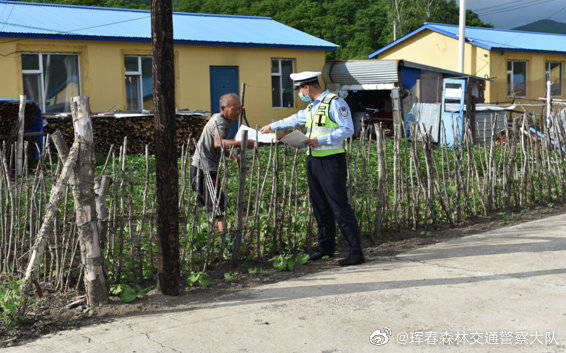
[280,75]
[547,77]
[41,73]
[139,74]
[511,94]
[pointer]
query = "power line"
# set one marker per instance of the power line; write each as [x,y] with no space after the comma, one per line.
[71,32]
[556,13]
[514,8]
[494,7]
[9,15]
[508,6]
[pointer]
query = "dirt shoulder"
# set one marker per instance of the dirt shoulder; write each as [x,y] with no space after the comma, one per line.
[49,315]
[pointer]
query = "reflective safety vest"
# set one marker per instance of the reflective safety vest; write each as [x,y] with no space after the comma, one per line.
[321,125]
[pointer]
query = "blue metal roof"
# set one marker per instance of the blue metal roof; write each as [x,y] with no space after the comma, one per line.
[494,39]
[37,20]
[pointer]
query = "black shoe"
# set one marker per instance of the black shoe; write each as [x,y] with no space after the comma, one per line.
[317,255]
[352,260]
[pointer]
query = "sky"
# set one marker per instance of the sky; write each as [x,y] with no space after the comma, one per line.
[511,13]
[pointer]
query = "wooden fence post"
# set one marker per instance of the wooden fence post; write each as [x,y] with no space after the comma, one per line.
[381,179]
[240,203]
[20,142]
[166,170]
[85,209]
[47,225]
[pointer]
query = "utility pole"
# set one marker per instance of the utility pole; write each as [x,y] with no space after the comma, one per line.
[166,175]
[461,39]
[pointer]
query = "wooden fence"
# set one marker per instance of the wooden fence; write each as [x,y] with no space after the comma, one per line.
[393,184]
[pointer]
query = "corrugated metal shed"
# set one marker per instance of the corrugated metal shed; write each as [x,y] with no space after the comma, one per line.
[372,74]
[359,72]
[494,39]
[35,20]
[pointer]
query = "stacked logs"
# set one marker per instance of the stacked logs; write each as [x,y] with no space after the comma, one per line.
[109,130]
[9,119]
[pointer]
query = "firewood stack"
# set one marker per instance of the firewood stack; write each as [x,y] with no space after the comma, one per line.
[109,130]
[9,119]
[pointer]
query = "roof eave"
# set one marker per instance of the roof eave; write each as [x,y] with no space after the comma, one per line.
[178,41]
[432,28]
[528,50]
[392,44]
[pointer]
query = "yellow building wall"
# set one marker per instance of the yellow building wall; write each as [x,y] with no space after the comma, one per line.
[102,72]
[536,76]
[435,49]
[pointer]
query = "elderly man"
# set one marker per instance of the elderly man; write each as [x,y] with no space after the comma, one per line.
[329,123]
[206,159]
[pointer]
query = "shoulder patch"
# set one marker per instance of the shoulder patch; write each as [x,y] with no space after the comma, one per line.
[344,111]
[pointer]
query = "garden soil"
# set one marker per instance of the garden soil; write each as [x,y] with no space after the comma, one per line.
[50,315]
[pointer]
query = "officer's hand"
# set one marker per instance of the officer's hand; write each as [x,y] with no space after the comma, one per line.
[312,142]
[265,129]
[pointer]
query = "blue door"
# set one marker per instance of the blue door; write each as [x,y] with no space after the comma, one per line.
[452,113]
[223,79]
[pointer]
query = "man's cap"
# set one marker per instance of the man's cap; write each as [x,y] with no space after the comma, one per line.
[302,78]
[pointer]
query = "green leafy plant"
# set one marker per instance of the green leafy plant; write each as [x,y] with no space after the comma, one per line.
[198,277]
[253,270]
[506,216]
[426,233]
[12,303]
[230,276]
[288,262]
[127,293]
[257,270]
[302,258]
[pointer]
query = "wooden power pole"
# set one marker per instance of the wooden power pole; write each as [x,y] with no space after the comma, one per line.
[167,176]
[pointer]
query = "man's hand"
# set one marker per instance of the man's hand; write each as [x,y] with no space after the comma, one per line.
[251,144]
[236,159]
[312,142]
[265,129]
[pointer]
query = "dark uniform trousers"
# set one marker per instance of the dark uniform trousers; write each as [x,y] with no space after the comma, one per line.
[327,189]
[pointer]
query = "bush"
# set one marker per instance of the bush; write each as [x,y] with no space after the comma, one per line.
[12,303]
[198,277]
[289,261]
[127,293]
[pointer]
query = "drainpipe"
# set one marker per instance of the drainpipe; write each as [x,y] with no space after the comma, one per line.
[461,39]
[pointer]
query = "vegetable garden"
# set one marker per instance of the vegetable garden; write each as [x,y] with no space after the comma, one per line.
[394,183]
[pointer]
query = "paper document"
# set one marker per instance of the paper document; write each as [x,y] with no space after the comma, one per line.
[295,139]
[253,134]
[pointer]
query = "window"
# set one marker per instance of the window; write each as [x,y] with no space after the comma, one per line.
[516,78]
[281,83]
[51,80]
[139,83]
[554,74]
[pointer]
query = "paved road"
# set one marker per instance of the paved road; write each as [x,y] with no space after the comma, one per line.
[500,291]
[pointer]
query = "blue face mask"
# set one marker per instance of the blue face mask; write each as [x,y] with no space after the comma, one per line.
[305,98]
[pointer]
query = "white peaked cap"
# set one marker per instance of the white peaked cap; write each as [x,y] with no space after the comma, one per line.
[301,78]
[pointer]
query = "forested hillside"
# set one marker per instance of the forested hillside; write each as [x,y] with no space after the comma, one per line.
[547,26]
[359,27]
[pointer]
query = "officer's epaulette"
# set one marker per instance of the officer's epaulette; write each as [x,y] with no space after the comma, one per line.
[328,98]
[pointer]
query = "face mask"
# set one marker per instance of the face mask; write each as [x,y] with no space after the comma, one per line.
[305,98]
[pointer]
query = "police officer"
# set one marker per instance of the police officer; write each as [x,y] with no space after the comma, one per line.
[328,121]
